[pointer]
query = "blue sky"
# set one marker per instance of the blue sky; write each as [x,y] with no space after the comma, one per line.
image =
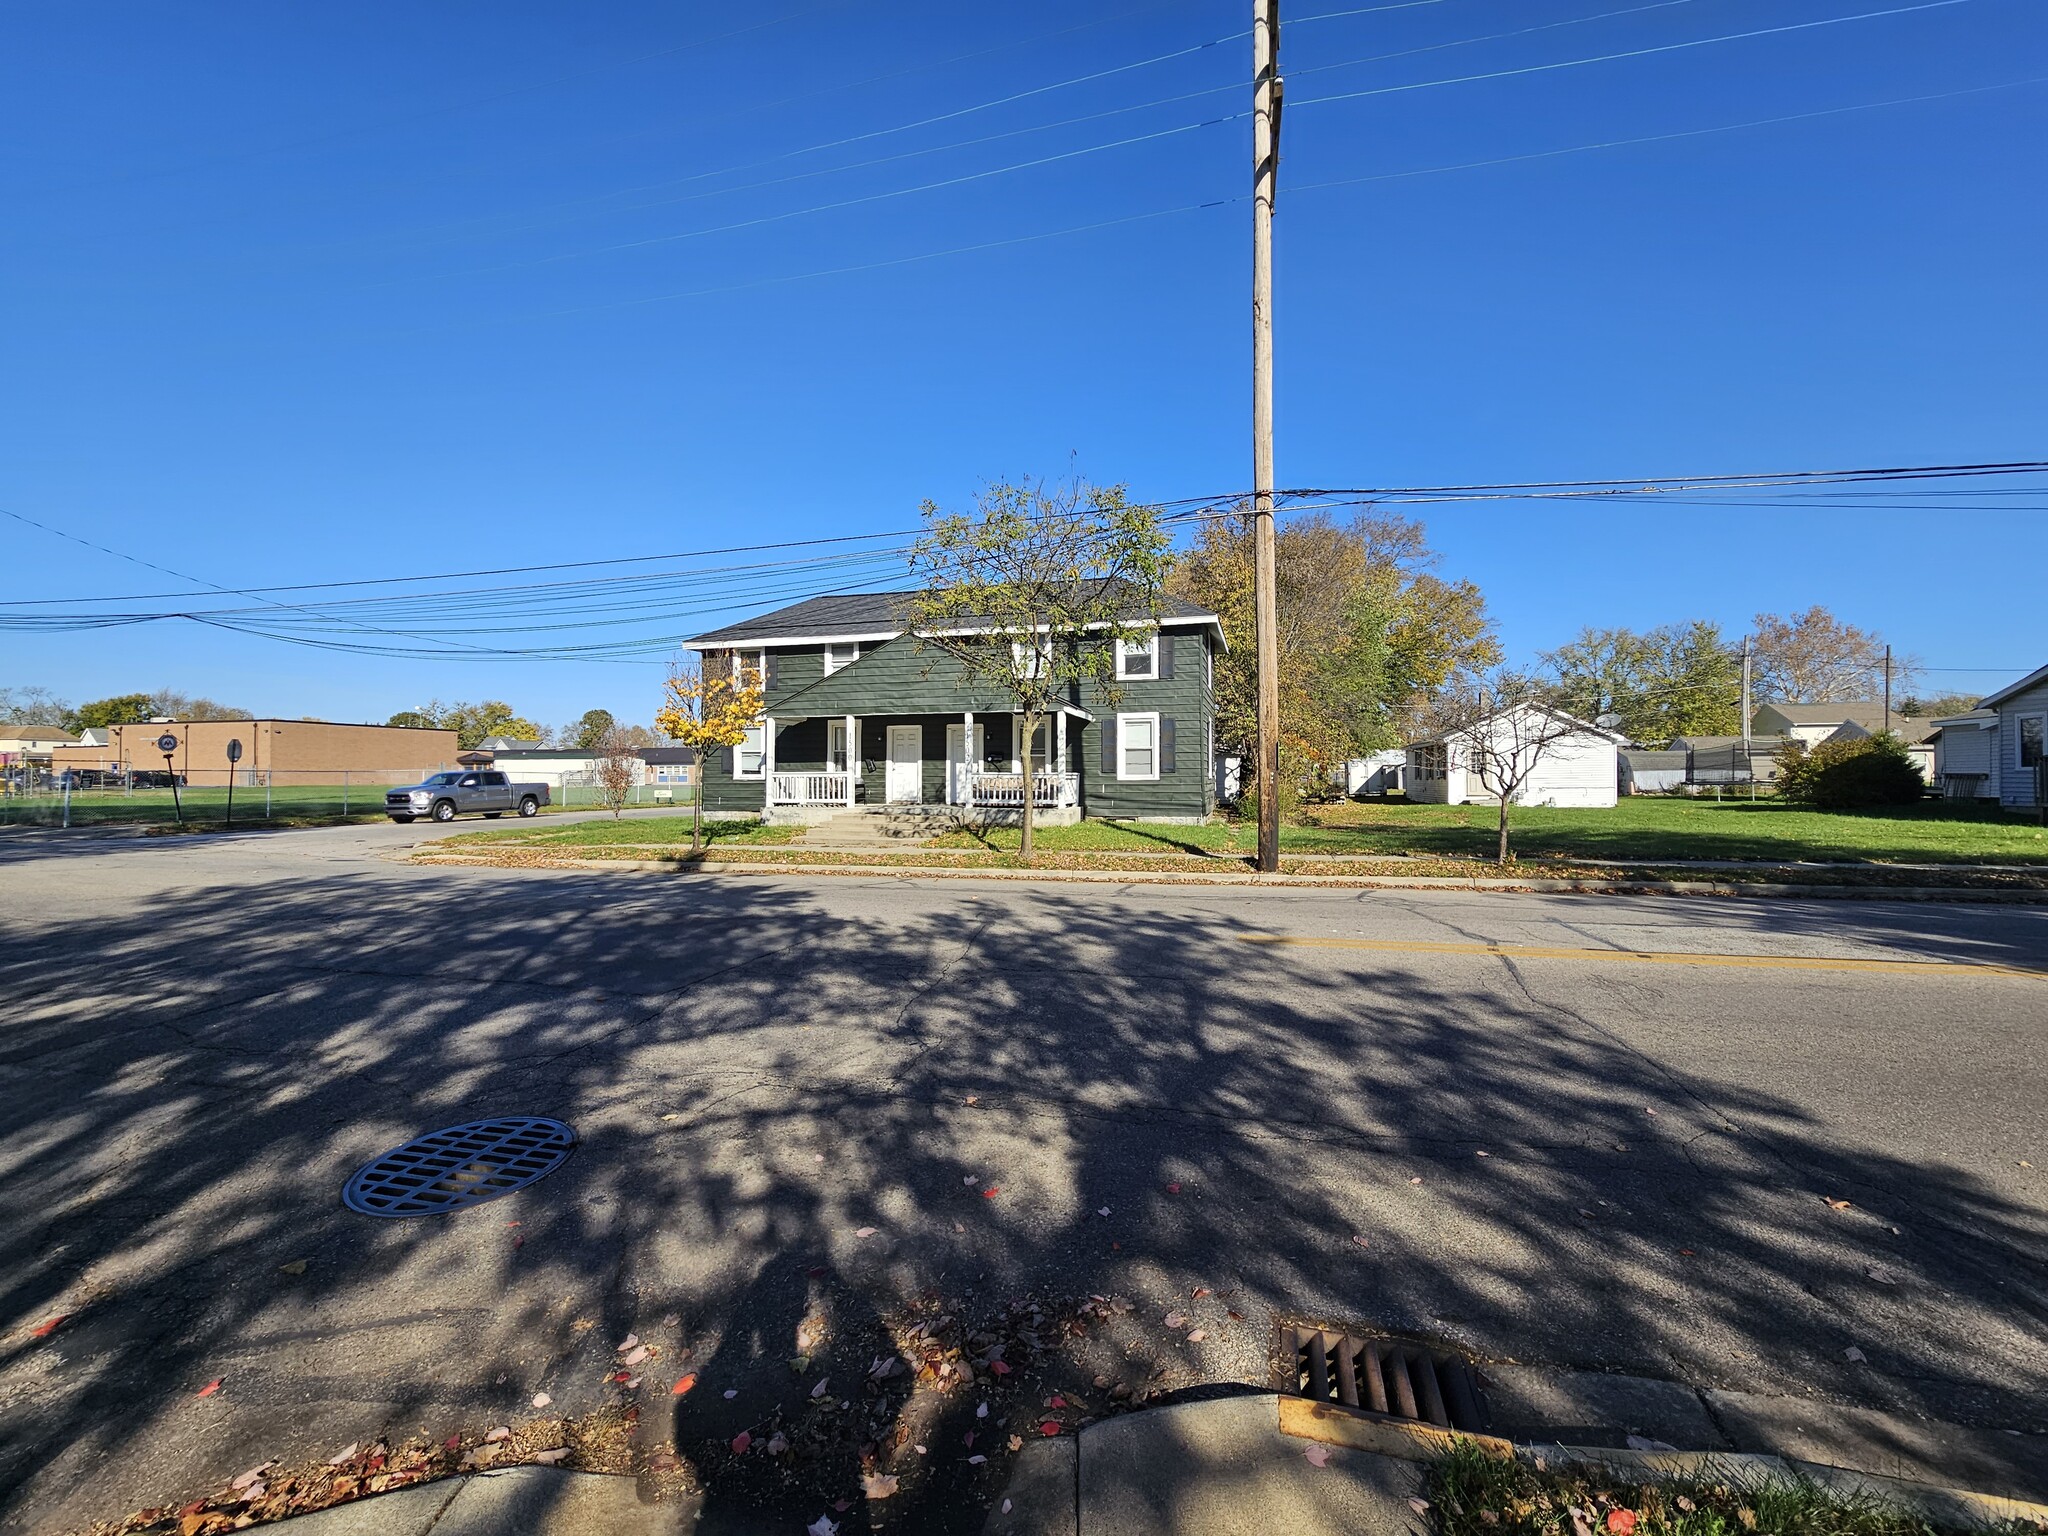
[299,294]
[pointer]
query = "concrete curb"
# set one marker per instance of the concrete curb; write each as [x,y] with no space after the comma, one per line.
[1340,882]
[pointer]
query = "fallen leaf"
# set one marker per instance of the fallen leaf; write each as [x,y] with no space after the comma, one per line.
[1006,1506]
[637,1355]
[341,1456]
[210,1388]
[1838,1205]
[1621,1522]
[296,1267]
[1420,1506]
[999,1368]
[878,1485]
[1317,1455]
[254,1474]
[1234,1315]
[1648,1111]
[44,1330]
[824,1525]
[1854,1355]
[541,1399]
[823,1383]
[1196,1335]
[920,1450]
[977,1461]
[1176,1320]
[1055,1401]
[673,1320]
[1102,1210]
[981,1411]
[631,1383]
[502,1432]
[1016,1442]
[1199,1292]
[957,1227]
[1049,1427]
[1881,1277]
[1362,1242]
[740,1442]
[992,1191]
[974,1098]
[1173,1189]
[865,1232]
[1644,1443]
[549,1458]
[452,1443]
[1482,1152]
[730,1392]
[1415,1181]
[630,1341]
[1685,1253]
[777,1443]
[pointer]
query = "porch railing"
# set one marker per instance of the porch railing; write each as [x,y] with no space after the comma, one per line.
[1049,791]
[807,788]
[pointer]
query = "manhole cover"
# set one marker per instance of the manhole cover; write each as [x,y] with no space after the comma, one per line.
[463,1165]
[1385,1376]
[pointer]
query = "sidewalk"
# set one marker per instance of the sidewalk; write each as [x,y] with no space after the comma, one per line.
[1258,1464]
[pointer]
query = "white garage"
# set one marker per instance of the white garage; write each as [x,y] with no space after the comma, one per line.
[1554,760]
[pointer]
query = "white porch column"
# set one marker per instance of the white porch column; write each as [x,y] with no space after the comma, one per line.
[852,757]
[968,763]
[768,761]
[1059,733]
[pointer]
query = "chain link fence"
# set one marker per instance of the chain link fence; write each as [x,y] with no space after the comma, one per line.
[32,795]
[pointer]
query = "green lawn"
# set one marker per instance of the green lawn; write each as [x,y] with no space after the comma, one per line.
[1644,829]
[99,807]
[647,831]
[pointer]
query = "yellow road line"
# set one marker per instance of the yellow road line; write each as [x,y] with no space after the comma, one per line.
[1650,957]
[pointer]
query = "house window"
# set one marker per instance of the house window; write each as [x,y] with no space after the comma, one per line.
[750,757]
[746,661]
[835,739]
[1032,659]
[1138,656]
[837,656]
[1137,746]
[1431,762]
[2031,729]
[1038,739]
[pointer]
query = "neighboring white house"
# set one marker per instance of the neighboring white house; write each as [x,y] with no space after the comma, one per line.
[1966,755]
[1999,750]
[1815,723]
[1376,774]
[1577,769]
[556,766]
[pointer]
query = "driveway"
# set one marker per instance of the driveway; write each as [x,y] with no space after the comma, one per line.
[868,1096]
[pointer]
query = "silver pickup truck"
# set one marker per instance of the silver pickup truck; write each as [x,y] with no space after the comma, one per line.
[473,792]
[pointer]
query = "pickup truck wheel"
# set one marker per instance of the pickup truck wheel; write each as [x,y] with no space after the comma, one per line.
[444,810]
[528,806]
[401,819]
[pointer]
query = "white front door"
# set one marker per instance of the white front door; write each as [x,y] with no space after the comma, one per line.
[960,762]
[905,782]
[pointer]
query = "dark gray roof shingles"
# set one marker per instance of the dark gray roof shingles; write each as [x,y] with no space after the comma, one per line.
[856,613]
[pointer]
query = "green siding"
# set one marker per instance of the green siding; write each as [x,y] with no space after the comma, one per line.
[1189,790]
[899,682]
[899,677]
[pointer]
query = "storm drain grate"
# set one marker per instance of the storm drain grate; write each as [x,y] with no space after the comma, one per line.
[462,1166]
[1381,1376]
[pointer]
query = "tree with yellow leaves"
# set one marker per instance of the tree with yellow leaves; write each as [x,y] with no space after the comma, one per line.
[709,709]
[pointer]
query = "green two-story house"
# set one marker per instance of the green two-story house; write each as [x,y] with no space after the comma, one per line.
[858,712]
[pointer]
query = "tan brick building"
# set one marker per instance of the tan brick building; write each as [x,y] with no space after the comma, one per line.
[275,752]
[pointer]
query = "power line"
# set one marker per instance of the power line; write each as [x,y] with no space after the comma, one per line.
[1633,53]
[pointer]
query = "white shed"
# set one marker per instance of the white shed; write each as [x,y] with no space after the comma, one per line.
[1577,768]
[1966,755]
[1377,774]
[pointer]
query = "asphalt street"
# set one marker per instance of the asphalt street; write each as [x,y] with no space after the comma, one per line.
[1530,1126]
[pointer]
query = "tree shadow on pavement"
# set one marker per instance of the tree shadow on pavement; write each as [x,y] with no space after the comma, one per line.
[879,1104]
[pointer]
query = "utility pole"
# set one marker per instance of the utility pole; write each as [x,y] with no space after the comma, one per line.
[1265,167]
[1748,762]
[1887,690]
